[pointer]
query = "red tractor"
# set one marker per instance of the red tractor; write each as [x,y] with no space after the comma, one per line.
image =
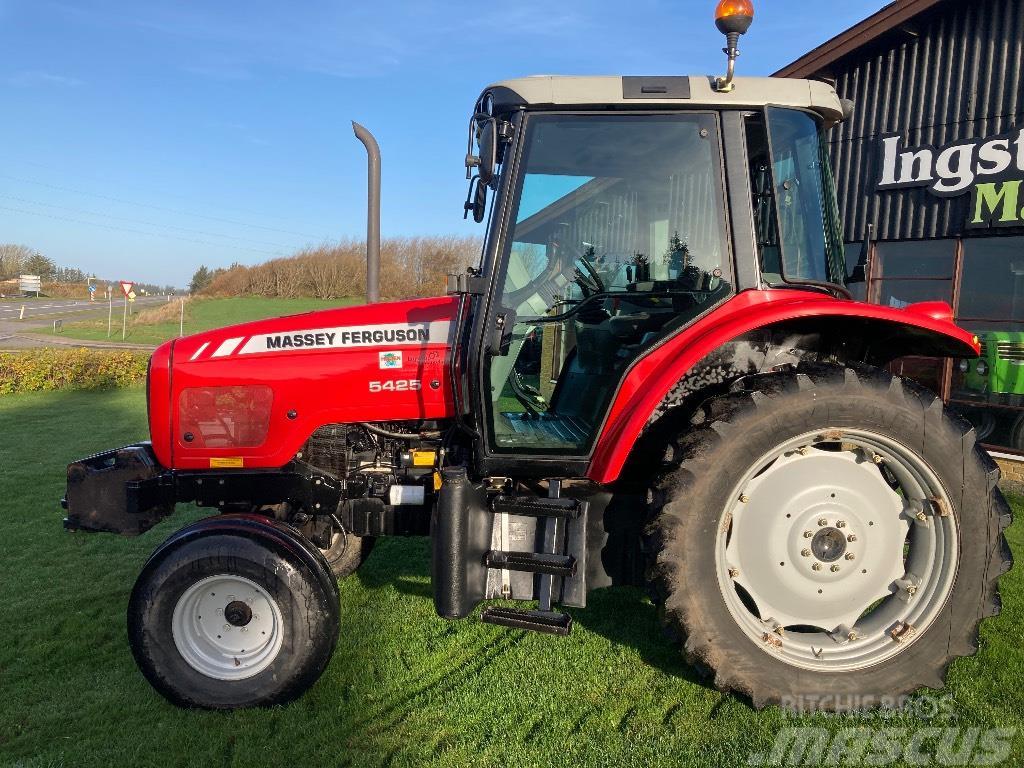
[656,375]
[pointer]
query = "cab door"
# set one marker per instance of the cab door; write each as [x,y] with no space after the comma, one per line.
[614,238]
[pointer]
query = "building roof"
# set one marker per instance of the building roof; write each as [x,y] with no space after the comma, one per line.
[546,91]
[891,17]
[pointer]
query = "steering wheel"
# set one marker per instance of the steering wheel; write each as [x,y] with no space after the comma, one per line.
[592,279]
[590,283]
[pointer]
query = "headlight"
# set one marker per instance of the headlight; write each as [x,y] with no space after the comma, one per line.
[981,368]
[964,366]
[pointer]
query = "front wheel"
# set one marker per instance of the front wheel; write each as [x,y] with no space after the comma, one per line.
[233,611]
[828,538]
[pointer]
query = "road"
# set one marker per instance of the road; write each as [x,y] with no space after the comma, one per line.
[40,314]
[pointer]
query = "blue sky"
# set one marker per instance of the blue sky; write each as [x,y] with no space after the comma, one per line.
[141,139]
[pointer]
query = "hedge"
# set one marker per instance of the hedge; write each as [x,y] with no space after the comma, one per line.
[49,369]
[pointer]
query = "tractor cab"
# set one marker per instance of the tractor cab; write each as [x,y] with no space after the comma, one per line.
[621,210]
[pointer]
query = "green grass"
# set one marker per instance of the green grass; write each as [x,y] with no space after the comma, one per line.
[404,688]
[201,315]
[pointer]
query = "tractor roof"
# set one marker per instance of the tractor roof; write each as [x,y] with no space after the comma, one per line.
[553,92]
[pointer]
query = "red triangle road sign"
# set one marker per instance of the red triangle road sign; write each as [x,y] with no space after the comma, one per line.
[126,288]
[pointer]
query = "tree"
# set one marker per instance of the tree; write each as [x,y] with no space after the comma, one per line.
[200,279]
[12,259]
[37,264]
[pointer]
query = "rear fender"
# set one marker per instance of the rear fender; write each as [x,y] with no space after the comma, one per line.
[758,331]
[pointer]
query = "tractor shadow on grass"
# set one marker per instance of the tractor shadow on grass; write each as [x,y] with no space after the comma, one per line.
[622,615]
[626,617]
[401,563]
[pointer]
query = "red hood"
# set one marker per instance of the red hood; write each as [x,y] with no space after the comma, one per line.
[251,394]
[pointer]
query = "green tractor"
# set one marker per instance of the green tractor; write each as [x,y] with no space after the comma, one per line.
[996,378]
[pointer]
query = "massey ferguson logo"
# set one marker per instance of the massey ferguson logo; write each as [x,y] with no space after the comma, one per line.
[347,338]
[361,336]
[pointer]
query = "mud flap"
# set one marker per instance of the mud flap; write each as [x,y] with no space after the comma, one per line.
[461,536]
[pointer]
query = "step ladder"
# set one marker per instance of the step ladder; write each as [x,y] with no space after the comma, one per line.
[556,567]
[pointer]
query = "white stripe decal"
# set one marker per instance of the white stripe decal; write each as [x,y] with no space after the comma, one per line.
[199,351]
[387,335]
[227,347]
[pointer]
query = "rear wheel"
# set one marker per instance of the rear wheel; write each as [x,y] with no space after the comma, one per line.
[829,537]
[233,611]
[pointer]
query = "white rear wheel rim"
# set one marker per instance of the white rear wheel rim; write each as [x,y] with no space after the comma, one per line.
[227,627]
[814,536]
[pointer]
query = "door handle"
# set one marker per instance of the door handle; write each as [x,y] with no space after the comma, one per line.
[501,334]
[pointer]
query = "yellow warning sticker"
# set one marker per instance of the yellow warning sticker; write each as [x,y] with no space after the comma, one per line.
[423,458]
[227,462]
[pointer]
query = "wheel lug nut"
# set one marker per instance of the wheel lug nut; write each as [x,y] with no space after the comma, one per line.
[805,552]
[921,516]
[808,534]
[804,450]
[744,498]
[840,523]
[822,521]
[852,636]
[227,627]
[834,569]
[816,567]
[877,459]
[851,538]
[850,555]
[733,573]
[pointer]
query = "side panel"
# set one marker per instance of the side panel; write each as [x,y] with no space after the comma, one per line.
[250,395]
[651,378]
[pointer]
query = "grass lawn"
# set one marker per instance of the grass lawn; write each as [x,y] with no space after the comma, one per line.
[404,688]
[200,315]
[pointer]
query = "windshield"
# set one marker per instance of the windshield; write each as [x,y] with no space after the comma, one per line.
[630,203]
[798,218]
[618,240]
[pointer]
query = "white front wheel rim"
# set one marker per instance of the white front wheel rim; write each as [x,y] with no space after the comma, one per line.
[227,627]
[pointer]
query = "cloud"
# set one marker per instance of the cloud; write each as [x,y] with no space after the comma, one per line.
[36,78]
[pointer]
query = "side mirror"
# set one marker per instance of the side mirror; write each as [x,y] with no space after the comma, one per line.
[487,146]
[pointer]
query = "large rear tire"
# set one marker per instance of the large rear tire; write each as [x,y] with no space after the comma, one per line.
[234,611]
[827,539]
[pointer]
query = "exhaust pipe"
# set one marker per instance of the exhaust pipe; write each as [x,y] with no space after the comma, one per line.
[372,212]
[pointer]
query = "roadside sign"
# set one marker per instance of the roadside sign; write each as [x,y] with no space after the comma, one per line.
[29,283]
[126,288]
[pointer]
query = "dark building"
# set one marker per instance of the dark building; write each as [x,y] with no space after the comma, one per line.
[932,165]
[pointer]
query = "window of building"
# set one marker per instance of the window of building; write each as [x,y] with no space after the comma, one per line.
[907,272]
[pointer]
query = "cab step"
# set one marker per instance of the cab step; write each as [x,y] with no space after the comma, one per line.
[532,562]
[538,506]
[549,622]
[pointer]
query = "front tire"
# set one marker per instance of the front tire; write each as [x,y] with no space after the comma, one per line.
[827,538]
[347,552]
[233,611]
